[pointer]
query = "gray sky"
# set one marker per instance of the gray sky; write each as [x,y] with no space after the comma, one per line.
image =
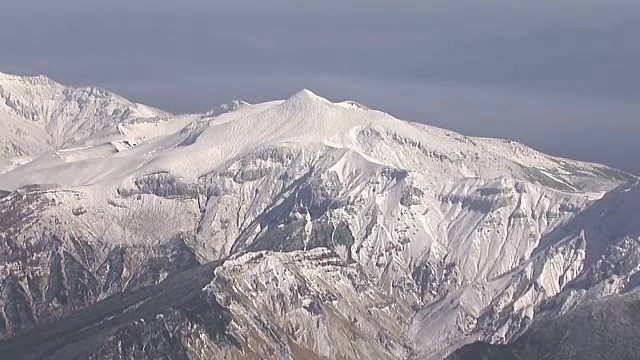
[561,76]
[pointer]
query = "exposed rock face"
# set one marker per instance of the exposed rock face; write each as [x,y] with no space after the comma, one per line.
[606,328]
[129,325]
[51,272]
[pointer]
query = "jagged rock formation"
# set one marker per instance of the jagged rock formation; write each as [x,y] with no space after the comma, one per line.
[606,328]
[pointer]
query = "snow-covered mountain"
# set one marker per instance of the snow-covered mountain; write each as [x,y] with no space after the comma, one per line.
[38,115]
[343,231]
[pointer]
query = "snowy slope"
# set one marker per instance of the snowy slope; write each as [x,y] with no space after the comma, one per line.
[603,328]
[306,121]
[414,239]
[38,114]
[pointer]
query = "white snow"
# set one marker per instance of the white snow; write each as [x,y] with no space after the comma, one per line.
[304,121]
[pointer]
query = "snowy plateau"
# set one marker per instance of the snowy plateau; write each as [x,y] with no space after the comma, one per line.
[294,229]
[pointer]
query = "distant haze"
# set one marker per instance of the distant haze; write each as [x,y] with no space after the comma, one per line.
[561,76]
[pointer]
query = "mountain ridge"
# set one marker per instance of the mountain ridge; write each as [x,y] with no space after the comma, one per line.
[62,115]
[294,119]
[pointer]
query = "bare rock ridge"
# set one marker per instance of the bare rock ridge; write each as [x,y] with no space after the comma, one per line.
[605,328]
[345,232]
[84,333]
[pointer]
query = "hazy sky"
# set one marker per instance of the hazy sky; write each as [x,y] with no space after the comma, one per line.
[559,75]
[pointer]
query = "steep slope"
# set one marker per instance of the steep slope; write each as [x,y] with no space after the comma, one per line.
[351,233]
[38,114]
[595,254]
[82,334]
[606,328]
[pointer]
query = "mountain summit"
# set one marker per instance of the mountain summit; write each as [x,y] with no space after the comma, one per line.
[309,229]
[306,96]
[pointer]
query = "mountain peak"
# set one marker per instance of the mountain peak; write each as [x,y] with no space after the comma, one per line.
[306,96]
[305,92]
